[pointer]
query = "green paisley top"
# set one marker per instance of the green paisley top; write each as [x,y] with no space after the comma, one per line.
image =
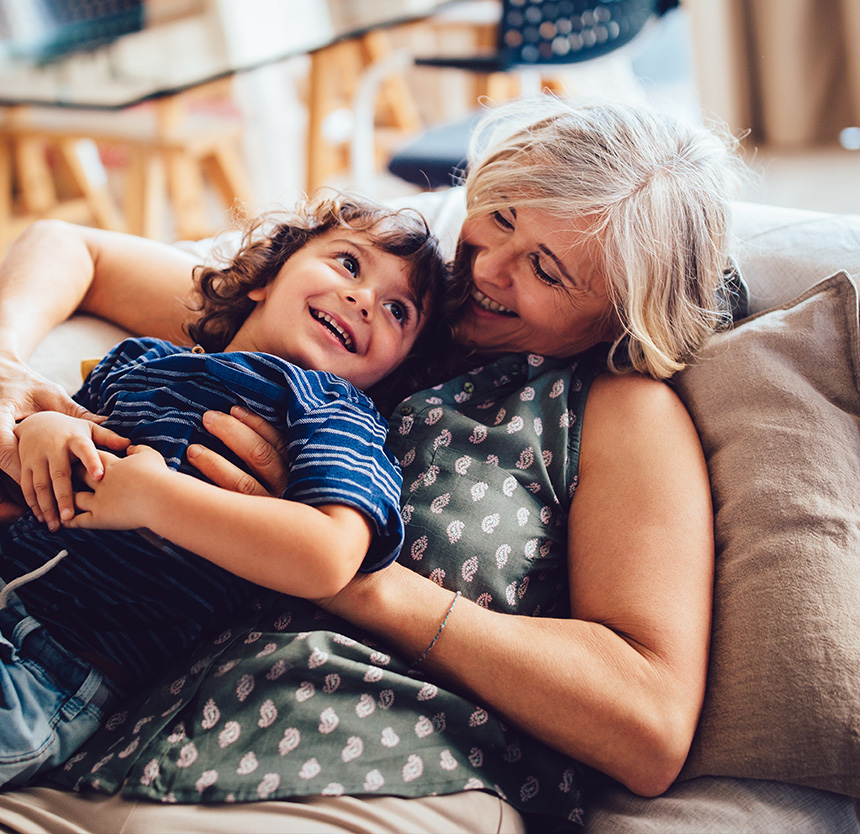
[293,701]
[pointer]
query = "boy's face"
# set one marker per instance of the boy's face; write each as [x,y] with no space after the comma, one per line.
[339,304]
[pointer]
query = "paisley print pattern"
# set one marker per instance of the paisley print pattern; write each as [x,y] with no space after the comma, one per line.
[292,701]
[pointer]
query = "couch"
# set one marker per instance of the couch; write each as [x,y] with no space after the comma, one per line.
[776,401]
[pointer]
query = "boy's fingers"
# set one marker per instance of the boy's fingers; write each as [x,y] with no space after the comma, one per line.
[84,501]
[61,479]
[43,487]
[82,472]
[109,439]
[85,476]
[84,518]
[30,495]
[84,450]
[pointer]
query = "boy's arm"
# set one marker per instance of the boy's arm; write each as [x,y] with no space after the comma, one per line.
[290,547]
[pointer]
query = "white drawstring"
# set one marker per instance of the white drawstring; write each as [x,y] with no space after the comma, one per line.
[29,577]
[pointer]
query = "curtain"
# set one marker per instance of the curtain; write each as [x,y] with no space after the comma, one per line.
[787,71]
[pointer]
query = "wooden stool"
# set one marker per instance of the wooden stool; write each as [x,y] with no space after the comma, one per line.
[28,181]
[171,155]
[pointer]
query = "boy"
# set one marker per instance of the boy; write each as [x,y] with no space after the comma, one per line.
[337,299]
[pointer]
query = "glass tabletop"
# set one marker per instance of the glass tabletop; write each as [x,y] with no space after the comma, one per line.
[223,38]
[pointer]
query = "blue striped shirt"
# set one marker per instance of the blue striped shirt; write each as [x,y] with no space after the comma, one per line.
[138,601]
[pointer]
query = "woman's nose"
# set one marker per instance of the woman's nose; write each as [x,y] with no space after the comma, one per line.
[493,266]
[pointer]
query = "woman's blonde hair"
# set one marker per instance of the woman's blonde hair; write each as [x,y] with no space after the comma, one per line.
[655,191]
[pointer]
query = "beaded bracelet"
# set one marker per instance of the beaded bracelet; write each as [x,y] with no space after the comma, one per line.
[438,633]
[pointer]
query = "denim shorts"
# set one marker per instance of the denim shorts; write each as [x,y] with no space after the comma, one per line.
[51,701]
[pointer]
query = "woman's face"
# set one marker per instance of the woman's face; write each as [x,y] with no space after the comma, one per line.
[536,287]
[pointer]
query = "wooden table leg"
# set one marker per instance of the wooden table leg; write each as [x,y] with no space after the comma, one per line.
[225,170]
[7,184]
[35,181]
[327,79]
[104,212]
[145,193]
[396,99]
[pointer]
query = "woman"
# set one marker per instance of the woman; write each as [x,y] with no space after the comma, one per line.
[552,605]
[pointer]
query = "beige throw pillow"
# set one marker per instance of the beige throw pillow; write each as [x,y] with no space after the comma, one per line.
[777,406]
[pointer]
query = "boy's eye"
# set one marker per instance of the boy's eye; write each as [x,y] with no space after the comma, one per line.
[348,262]
[398,310]
[503,220]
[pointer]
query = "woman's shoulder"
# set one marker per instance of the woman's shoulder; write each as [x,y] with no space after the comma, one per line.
[632,389]
[633,405]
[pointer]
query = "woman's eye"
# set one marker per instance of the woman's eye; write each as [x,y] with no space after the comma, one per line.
[540,274]
[398,310]
[502,221]
[348,262]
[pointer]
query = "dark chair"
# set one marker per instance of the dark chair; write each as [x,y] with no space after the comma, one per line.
[531,33]
[51,29]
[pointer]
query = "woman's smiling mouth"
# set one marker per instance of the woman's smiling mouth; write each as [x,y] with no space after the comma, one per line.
[341,334]
[487,303]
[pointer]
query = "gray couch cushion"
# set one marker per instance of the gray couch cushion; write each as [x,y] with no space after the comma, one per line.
[714,805]
[777,406]
[784,251]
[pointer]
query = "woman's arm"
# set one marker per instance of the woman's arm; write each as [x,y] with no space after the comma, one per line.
[620,685]
[55,268]
[287,546]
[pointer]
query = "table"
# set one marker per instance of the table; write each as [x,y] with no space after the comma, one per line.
[96,95]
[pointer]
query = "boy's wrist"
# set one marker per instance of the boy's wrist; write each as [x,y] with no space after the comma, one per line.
[158,496]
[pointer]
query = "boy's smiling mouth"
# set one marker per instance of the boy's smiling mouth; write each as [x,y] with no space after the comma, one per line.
[340,333]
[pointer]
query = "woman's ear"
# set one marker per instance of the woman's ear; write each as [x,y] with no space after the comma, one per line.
[258,294]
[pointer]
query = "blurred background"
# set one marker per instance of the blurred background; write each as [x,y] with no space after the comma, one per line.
[161,116]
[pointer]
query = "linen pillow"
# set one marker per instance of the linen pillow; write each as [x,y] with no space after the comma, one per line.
[777,407]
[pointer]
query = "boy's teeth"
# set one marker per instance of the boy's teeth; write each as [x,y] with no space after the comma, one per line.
[488,303]
[337,329]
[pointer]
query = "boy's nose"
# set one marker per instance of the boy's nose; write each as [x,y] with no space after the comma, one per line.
[364,301]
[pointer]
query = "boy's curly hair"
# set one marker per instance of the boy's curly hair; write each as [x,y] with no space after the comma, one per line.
[269,241]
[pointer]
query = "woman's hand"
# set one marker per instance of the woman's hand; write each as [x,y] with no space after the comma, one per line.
[49,446]
[24,392]
[118,500]
[255,441]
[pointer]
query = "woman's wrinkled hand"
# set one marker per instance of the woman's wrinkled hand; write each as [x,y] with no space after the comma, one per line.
[255,441]
[24,392]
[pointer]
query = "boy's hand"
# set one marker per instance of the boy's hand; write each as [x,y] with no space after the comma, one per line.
[49,445]
[118,500]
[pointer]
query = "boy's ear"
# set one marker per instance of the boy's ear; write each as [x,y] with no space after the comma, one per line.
[258,294]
